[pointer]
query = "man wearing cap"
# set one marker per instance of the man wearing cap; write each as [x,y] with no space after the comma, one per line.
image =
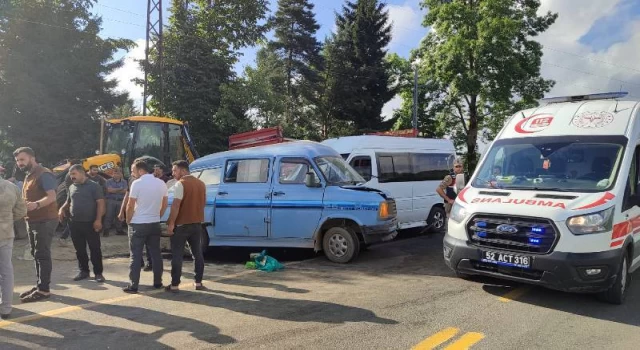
[451,185]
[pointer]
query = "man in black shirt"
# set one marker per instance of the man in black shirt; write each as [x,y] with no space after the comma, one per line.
[85,203]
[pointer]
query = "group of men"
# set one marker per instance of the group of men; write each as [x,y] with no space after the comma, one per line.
[141,204]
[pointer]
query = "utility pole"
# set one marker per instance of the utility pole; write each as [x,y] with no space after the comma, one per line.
[415,97]
[154,40]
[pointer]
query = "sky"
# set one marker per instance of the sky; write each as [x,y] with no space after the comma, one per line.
[592,47]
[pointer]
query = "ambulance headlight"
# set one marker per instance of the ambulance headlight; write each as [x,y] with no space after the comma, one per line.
[458,213]
[598,222]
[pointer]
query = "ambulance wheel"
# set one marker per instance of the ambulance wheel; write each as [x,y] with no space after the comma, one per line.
[340,245]
[437,219]
[618,291]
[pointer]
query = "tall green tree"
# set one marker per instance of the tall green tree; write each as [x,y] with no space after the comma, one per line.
[264,84]
[403,71]
[53,68]
[482,58]
[360,74]
[298,51]
[201,45]
[127,109]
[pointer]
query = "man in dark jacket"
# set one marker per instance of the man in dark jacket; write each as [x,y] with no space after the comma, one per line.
[39,192]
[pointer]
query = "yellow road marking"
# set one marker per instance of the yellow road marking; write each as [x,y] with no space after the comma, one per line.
[466,341]
[514,294]
[67,309]
[433,341]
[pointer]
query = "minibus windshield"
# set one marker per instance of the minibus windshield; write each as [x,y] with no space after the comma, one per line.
[562,163]
[337,172]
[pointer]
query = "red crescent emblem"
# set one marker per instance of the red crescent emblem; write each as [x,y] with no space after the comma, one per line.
[534,123]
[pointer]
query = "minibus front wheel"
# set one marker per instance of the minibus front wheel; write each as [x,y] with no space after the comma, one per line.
[340,244]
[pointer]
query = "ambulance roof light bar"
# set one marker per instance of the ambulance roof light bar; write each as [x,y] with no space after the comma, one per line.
[591,97]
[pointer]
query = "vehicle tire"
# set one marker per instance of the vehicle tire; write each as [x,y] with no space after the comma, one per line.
[61,194]
[618,291]
[437,219]
[204,242]
[340,245]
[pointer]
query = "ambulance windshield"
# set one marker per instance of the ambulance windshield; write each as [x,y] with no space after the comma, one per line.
[563,163]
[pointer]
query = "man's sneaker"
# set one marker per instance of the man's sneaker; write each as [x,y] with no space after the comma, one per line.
[100,278]
[148,268]
[27,293]
[81,276]
[130,290]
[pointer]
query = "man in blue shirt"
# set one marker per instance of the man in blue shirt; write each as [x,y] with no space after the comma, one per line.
[116,190]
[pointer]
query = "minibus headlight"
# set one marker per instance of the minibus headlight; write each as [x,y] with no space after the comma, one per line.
[383,210]
[597,222]
[458,213]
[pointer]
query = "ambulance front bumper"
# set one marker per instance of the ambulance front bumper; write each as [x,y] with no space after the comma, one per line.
[571,272]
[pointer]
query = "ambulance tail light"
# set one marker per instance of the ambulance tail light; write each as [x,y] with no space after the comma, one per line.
[597,222]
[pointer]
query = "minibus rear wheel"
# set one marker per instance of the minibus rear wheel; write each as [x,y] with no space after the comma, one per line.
[437,219]
[618,291]
[340,244]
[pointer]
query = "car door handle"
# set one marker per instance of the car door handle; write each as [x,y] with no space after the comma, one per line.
[278,193]
[223,193]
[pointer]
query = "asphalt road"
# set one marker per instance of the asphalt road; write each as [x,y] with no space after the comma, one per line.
[396,296]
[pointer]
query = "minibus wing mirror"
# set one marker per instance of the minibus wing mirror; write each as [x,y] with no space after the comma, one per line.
[310,180]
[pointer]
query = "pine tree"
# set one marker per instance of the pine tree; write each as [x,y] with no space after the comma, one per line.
[294,53]
[201,45]
[360,83]
[53,68]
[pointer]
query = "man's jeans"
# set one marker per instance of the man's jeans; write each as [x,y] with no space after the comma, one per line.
[83,234]
[191,233]
[139,235]
[40,237]
[113,208]
[20,229]
[6,276]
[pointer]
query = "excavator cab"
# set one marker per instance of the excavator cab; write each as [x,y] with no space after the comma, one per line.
[124,140]
[164,139]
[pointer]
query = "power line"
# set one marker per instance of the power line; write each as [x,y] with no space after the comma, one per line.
[589,73]
[121,10]
[593,59]
[44,24]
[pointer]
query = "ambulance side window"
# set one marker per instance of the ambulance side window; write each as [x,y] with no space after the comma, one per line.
[631,197]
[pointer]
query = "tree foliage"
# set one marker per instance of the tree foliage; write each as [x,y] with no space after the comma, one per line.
[482,60]
[402,71]
[359,76]
[53,69]
[201,45]
[298,52]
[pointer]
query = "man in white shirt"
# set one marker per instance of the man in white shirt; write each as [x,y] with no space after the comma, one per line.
[146,205]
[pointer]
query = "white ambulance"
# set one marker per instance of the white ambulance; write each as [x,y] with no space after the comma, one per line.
[555,201]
